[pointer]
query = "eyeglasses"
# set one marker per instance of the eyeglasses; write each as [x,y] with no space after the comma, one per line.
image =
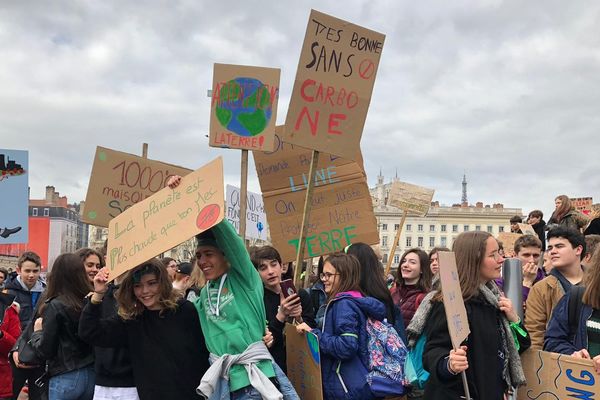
[325,276]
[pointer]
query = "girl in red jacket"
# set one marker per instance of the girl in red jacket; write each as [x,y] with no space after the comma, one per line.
[10,329]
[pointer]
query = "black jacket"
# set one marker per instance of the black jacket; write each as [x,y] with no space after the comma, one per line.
[483,374]
[593,228]
[272,301]
[27,299]
[58,342]
[168,352]
[540,230]
[112,364]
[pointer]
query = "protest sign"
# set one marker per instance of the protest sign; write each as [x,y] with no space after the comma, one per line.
[342,211]
[14,192]
[244,107]
[527,229]
[304,363]
[582,204]
[409,197]
[508,240]
[120,180]
[558,376]
[456,313]
[166,219]
[333,87]
[256,219]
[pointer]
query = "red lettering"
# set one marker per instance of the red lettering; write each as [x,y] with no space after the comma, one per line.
[313,123]
[330,92]
[305,84]
[216,93]
[334,122]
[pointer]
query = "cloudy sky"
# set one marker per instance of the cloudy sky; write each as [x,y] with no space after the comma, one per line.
[507,91]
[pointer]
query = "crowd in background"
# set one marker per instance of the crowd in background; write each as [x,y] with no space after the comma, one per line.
[213,326]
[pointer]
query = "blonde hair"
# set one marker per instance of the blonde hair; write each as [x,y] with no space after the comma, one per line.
[129,306]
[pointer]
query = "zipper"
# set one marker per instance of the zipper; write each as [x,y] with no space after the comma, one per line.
[337,372]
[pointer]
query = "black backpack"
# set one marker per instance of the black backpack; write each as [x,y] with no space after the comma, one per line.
[574,310]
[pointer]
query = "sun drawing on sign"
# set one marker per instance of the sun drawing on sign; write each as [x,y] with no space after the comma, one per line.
[244,106]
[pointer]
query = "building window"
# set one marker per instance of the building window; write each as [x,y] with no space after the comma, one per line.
[431,242]
[46,212]
[454,228]
[34,212]
[384,259]
[431,228]
[408,228]
[396,227]
[443,241]
[466,228]
[477,227]
[384,241]
[384,227]
[500,229]
[490,228]
[409,242]
[443,228]
[396,258]
[420,227]
[420,241]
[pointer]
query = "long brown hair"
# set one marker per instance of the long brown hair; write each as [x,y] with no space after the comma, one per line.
[85,252]
[129,306]
[425,277]
[348,268]
[469,249]
[564,208]
[592,282]
[68,282]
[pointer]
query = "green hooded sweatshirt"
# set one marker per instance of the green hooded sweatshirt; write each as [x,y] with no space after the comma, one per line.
[241,318]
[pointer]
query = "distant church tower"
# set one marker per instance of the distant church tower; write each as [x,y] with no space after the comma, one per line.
[464,190]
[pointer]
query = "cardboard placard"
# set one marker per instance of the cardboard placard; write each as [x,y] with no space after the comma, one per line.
[456,313]
[342,211]
[120,180]
[256,218]
[304,363]
[582,204]
[409,197]
[508,240]
[166,219]
[14,192]
[527,229]
[333,87]
[244,107]
[552,376]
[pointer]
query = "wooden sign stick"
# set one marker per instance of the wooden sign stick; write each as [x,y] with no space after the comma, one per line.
[243,194]
[145,150]
[306,216]
[396,239]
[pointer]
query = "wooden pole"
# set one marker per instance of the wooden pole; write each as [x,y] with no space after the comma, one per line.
[144,150]
[396,239]
[243,194]
[306,216]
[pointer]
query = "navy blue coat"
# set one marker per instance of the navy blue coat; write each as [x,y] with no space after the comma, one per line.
[557,337]
[343,344]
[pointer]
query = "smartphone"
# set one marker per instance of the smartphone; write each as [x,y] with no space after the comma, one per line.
[287,288]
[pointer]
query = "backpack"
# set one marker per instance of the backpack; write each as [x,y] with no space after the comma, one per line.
[574,310]
[416,376]
[387,355]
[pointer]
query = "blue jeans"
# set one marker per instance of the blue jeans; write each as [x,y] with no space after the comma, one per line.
[73,385]
[249,393]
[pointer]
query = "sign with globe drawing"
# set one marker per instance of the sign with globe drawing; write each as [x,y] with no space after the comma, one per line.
[244,107]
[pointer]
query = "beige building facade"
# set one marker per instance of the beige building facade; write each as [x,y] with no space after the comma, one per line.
[438,228]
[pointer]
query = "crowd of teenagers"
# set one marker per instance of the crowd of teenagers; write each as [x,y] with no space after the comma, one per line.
[214,326]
